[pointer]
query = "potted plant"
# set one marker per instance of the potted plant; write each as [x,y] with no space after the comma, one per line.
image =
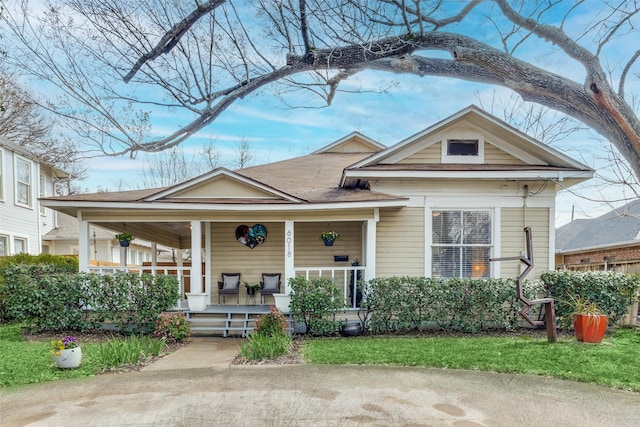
[589,322]
[251,289]
[124,238]
[66,352]
[329,237]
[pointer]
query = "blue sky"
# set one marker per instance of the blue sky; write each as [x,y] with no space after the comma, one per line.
[276,131]
[408,105]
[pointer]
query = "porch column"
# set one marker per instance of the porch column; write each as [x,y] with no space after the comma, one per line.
[84,250]
[154,255]
[196,257]
[370,249]
[289,263]
[198,300]
[207,258]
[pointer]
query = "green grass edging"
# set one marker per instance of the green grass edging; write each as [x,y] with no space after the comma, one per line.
[612,363]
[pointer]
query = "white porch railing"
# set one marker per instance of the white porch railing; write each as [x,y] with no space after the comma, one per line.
[345,278]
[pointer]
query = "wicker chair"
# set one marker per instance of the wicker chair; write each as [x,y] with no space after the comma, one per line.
[230,285]
[269,285]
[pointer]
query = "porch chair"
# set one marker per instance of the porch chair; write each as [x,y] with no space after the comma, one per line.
[269,285]
[230,285]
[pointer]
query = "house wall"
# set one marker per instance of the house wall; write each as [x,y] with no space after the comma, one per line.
[401,243]
[513,239]
[17,221]
[404,237]
[230,256]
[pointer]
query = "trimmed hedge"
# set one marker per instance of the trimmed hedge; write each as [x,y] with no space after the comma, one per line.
[611,291]
[468,305]
[48,300]
[55,263]
[60,263]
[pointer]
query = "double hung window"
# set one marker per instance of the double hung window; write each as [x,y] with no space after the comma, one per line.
[461,243]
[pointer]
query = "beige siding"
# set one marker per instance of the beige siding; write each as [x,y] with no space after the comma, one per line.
[230,256]
[401,243]
[495,156]
[513,241]
[431,154]
[310,250]
[225,187]
[353,146]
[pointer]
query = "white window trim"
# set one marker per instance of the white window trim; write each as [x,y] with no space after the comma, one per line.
[42,191]
[13,243]
[463,134]
[8,245]
[494,269]
[2,175]
[15,182]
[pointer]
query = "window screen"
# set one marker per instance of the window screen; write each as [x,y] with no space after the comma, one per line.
[462,147]
[461,243]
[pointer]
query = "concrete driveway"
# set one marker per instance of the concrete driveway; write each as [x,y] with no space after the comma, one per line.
[197,386]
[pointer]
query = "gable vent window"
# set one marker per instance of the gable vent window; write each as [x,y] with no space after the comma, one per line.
[462,147]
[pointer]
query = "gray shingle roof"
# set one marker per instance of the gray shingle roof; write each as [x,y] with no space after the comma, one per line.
[619,226]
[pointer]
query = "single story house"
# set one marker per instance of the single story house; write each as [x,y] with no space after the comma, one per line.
[439,203]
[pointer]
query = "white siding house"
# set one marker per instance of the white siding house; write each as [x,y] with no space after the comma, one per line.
[23,179]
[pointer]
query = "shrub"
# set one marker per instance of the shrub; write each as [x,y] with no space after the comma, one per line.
[62,264]
[270,338]
[55,263]
[468,305]
[274,323]
[172,327]
[316,302]
[130,301]
[47,300]
[43,298]
[612,292]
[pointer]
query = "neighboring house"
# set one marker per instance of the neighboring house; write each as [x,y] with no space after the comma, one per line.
[23,220]
[440,203]
[104,247]
[608,242]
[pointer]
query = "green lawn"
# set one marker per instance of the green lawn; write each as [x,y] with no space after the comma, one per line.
[613,363]
[24,362]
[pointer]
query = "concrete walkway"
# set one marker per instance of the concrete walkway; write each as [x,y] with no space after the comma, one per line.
[197,386]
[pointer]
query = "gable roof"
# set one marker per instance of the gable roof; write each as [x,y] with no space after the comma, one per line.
[19,149]
[531,158]
[619,227]
[291,183]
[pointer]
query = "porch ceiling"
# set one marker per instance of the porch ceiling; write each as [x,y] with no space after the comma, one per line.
[173,234]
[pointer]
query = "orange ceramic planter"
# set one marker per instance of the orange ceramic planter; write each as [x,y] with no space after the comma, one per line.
[590,327]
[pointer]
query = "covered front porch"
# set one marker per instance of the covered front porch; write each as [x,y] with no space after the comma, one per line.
[290,247]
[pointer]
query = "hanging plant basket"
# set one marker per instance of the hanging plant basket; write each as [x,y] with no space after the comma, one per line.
[329,237]
[124,238]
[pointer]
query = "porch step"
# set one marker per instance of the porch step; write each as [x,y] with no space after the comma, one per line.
[228,320]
